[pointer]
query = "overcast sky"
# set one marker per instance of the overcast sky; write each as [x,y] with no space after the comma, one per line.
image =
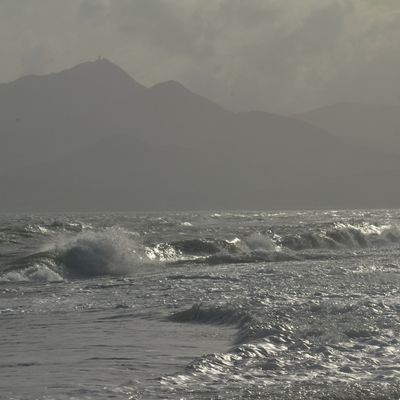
[284,56]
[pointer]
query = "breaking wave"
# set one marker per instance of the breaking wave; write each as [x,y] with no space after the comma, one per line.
[303,245]
[115,252]
[111,252]
[343,236]
[99,254]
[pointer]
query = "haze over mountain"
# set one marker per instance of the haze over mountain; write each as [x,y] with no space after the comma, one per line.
[92,138]
[375,125]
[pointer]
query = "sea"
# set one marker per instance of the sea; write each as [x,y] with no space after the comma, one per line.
[200,305]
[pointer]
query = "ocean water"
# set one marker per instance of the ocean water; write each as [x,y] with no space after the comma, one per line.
[227,305]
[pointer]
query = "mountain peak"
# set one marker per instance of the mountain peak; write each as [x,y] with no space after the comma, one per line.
[98,73]
[101,69]
[100,62]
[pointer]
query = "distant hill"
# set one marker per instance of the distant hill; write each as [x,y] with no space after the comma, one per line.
[43,116]
[375,125]
[92,138]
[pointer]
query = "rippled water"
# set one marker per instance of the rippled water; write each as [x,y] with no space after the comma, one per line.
[285,305]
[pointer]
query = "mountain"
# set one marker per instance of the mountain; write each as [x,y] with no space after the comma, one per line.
[51,112]
[92,138]
[375,125]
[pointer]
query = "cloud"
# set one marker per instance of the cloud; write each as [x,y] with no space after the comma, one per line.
[278,55]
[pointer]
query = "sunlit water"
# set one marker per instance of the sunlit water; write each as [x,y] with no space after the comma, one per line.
[284,305]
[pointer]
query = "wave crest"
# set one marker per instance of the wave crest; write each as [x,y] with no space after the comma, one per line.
[343,236]
[223,315]
[112,252]
[98,254]
[306,244]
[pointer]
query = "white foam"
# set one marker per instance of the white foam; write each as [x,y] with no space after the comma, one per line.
[36,273]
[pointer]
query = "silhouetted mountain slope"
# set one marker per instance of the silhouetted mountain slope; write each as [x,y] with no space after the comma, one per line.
[375,125]
[92,138]
[42,116]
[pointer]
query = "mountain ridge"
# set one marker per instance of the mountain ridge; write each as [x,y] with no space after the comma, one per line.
[107,142]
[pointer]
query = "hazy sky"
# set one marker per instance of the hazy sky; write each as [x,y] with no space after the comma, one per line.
[273,55]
